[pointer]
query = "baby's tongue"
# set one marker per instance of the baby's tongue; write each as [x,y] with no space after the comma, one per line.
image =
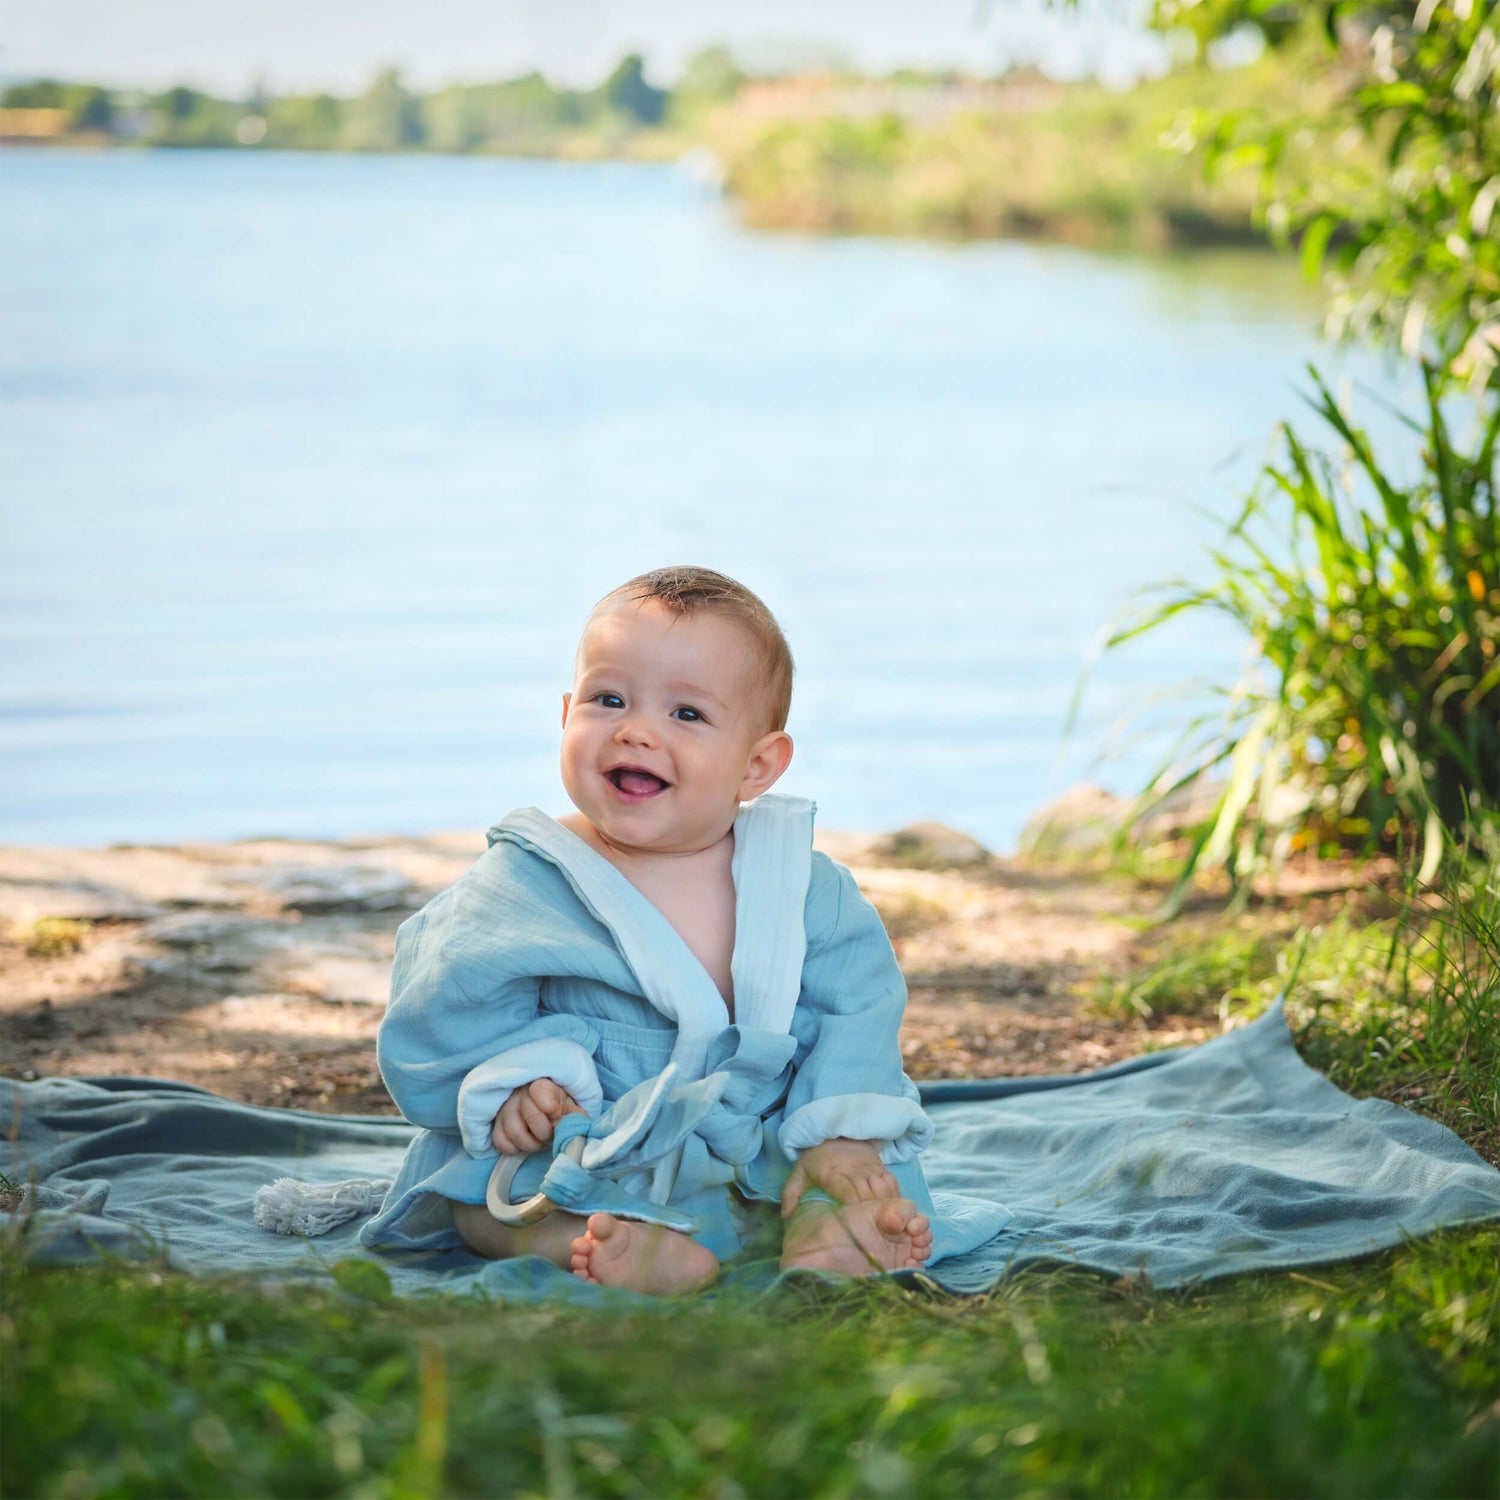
[638,783]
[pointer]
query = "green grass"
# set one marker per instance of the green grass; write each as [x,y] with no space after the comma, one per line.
[52,937]
[1196,975]
[1368,1379]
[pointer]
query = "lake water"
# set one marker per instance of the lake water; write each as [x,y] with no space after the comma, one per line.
[311,466]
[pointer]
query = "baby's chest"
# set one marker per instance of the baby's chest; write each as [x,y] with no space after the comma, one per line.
[701,912]
[706,926]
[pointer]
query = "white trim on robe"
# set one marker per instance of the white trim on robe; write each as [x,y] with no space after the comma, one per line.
[899,1122]
[772,866]
[489,1085]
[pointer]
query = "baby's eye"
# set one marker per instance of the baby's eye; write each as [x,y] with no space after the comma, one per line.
[688,714]
[609,700]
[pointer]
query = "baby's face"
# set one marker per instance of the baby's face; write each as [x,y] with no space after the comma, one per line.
[661,730]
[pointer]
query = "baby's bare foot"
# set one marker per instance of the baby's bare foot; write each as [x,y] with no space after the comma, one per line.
[856,1239]
[642,1257]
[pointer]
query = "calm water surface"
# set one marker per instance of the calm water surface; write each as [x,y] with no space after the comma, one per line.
[312,466]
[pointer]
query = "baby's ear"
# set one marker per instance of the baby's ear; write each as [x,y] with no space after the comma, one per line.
[567,704]
[769,757]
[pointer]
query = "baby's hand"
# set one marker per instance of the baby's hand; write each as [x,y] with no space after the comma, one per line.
[846,1170]
[526,1120]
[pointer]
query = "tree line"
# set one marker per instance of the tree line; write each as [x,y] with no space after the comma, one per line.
[517,115]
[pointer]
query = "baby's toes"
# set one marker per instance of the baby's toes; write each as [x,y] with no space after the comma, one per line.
[920,1231]
[583,1248]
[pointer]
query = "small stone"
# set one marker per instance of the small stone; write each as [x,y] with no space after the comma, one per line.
[315,890]
[1181,810]
[1085,820]
[934,846]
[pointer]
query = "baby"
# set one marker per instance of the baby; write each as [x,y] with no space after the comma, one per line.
[671,917]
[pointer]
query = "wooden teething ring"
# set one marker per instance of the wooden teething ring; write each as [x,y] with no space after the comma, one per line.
[535,1208]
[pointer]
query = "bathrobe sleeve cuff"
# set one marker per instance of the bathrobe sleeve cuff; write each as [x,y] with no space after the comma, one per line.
[898,1122]
[489,1085]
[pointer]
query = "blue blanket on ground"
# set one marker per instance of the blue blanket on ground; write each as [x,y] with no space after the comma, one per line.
[1177,1166]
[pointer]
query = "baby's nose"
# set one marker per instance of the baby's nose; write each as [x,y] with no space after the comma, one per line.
[636,729]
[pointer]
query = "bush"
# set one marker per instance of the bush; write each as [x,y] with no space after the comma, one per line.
[1370,716]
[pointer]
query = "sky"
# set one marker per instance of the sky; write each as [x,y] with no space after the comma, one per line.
[228,46]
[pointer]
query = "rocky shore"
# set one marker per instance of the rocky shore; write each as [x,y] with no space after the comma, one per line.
[259,969]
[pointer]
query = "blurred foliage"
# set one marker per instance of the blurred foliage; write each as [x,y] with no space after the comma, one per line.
[186,117]
[524,116]
[1401,204]
[383,118]
[1078,163]
[627,93]
[709,78]
[87,108]
[308,122]
[518,116]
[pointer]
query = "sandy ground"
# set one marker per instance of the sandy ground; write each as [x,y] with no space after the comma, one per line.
[260,969]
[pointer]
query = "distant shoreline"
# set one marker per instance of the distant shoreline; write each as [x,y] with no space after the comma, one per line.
[938,157]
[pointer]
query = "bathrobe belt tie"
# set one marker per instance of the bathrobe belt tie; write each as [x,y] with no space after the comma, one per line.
[590,1154]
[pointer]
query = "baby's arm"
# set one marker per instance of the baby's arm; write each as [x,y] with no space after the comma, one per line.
[525,1122]
[848,1171]
[465,1027]
[847,1083]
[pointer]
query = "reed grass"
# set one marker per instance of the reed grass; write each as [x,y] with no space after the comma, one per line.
[1370,716]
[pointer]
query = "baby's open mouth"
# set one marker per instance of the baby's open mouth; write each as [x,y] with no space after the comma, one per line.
[635,782]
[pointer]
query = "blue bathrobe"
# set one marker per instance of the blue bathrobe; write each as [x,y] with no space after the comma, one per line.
[544,961]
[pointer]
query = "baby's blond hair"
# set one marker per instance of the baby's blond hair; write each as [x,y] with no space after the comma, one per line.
[686,590]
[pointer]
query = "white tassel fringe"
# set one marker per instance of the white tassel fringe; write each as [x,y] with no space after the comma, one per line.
[287,1206]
